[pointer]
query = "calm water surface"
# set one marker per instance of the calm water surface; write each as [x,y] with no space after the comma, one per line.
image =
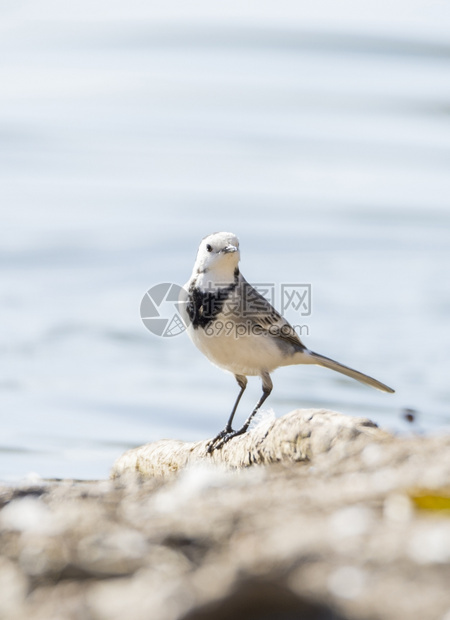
[326,149]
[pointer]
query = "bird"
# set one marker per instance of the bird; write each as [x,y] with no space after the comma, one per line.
[238,329]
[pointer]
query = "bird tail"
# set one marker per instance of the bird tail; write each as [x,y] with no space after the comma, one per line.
[321,360]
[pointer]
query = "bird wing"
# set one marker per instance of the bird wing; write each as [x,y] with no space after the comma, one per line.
[260,312]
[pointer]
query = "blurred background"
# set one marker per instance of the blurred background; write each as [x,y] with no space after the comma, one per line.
[319,133]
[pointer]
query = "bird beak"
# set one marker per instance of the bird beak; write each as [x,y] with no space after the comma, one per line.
[229,249]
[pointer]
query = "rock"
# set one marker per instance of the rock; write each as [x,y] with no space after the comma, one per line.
[301,435]
[334,519]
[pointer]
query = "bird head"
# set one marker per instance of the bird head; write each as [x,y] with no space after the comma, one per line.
[218,254]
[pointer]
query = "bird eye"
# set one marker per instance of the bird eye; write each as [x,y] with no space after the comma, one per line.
[208,247]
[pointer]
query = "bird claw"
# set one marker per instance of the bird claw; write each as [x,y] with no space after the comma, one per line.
[222,438]
[217,441]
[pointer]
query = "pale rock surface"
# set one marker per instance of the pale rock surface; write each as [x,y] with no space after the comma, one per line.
[311,517]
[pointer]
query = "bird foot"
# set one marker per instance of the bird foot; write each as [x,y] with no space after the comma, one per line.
[222,438]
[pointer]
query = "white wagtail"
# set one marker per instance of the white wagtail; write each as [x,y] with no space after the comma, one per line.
[238,329]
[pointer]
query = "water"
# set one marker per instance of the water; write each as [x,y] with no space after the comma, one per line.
[127,134]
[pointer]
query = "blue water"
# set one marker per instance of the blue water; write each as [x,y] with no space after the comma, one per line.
[124,139]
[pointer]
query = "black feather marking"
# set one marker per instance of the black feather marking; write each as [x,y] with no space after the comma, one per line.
[204,306]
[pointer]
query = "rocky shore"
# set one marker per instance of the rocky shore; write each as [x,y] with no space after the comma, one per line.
[313,516]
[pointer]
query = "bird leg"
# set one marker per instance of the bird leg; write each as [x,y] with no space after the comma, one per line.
[242,381]
[228,433]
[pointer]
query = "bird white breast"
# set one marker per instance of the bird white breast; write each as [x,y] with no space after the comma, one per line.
[240,354]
